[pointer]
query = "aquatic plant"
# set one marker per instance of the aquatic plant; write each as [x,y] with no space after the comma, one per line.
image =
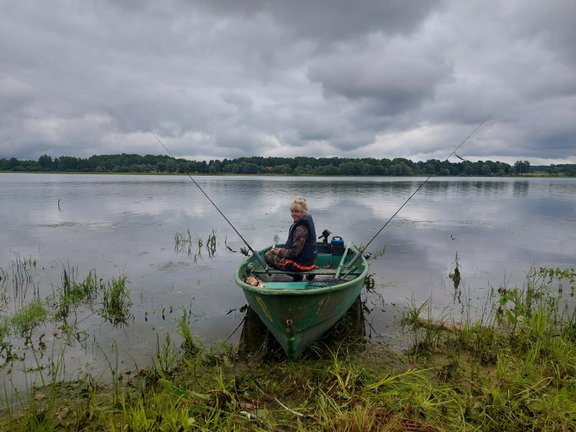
[19,279]
[166,355]
[19,337]
[184,243]
[181,241]
[3,289]
[369,282]
[73,293]
[456,278]
[426,334]
[211,244]
[558,278]
[189,345]
[116,301]
[3,329]
[28,317]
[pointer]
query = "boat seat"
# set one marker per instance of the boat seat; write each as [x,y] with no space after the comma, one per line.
[285,285]
[301,285]
[316,271]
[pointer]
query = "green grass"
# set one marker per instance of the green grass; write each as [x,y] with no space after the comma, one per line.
[28,317]
[73,293]
[514,369]
[116,301]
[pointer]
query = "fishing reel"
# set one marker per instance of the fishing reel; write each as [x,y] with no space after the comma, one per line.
[324,236]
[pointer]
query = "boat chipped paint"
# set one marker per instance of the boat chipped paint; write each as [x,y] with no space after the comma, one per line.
[264,308]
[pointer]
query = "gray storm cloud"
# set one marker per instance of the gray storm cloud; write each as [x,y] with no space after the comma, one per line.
[223,78]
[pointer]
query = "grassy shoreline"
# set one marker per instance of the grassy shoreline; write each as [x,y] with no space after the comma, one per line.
[512,369]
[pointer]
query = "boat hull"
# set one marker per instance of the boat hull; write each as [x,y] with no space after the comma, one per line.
[299,313]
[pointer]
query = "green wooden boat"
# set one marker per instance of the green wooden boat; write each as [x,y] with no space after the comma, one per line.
[297,313]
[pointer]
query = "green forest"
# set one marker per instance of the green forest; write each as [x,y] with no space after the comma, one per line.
[297,166]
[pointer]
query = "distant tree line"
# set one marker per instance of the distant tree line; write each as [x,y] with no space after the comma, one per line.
[299,166]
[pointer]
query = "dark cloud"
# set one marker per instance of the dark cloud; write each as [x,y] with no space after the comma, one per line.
[388,79]
[330,21]
[551,23]
[226,78]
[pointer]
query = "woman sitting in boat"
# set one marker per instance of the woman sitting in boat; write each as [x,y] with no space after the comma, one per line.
[299,253]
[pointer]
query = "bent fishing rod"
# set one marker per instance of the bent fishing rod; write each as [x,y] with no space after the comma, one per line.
[453,152]
[257,255]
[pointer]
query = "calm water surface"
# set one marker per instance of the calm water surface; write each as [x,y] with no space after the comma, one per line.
[498,229]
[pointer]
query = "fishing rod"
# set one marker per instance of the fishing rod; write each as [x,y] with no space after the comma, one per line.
[258,257]
[453,152]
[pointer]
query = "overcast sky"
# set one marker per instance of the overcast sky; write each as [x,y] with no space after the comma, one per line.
[221,79]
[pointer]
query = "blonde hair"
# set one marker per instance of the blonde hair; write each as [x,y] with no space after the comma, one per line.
[300,204]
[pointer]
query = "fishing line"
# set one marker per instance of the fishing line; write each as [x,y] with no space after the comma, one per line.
[453,152]
[260,260]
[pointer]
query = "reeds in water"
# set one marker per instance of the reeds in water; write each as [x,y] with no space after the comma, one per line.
[184,242]
[23,310]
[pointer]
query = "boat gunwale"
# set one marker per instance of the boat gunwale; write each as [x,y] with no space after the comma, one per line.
[362,266]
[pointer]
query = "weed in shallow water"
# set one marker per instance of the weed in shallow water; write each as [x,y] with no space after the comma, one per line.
[116,301]
[20,278]
[211,244]
[426,333]
[72,293]
[189,344]
[28,317]
[184,243]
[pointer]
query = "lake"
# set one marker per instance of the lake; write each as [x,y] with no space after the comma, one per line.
[495,229]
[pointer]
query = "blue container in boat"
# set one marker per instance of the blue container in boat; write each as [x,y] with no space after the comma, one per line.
[337,246]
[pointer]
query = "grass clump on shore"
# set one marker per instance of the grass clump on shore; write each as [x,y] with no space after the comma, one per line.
[512,369]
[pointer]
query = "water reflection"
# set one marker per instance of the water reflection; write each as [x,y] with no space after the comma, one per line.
[126,225]
[256,341]
[521,188]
